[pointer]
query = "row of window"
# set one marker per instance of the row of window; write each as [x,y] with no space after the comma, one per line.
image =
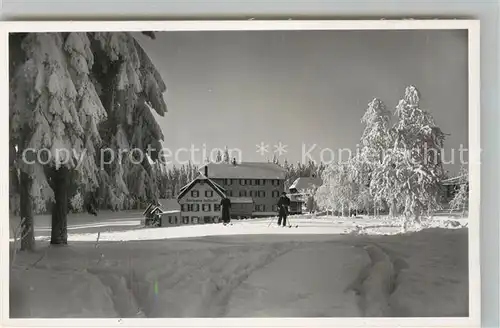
[196,219]
[196,207]
[252,193]
[250,182]
[263,208]
[241,193]
[196,193]
[216,207]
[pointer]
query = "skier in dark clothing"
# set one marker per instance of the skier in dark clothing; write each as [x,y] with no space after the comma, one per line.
[226,206]
[283,204]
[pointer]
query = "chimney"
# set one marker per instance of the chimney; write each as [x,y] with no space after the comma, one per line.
[206,170]
[234,161]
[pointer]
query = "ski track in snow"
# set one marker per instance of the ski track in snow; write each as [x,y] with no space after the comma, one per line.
[238,276]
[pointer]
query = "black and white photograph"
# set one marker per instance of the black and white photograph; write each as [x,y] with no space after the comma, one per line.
[256,170]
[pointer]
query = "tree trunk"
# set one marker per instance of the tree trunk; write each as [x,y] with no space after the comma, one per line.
[60,182]
[26,212]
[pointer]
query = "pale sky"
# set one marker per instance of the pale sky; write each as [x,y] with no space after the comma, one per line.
[303,88]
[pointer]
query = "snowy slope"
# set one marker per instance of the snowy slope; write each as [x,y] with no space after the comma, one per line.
[285,272]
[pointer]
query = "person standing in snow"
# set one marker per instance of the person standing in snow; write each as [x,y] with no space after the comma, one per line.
[225,206]
[283,204]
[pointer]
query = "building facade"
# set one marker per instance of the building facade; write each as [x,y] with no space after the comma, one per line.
[300,193]
[200,201]
[262,183]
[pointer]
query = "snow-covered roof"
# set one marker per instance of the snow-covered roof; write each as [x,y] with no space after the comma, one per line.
[217,188]
[305,183]
[244,170]
[169,204]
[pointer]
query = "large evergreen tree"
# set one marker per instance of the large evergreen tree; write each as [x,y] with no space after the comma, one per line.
[130,88]
[54,107]
[74,94]
[412,169]
[375,142]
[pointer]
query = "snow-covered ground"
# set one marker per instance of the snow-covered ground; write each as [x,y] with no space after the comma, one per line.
[327,267]
[85,227]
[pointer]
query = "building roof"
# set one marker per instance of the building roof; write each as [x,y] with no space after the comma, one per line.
[217,188]
[245,170]
[169,204]
[241,200]
[305,183]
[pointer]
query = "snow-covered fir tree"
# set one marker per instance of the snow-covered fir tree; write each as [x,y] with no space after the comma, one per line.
[412,170]
[227,157]
[375,142]
[218,157]
[130,88]
[55,106]
[76,94]
[339,191]
[325,198]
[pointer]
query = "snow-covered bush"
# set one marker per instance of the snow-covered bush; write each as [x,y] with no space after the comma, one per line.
[76,203]
[461,198]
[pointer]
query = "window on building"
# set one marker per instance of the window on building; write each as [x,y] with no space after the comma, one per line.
[216,207]
[206,207]
[185,219]
[243,193]
[275,208]
[195,193]
[262,193]
[250,193]
[230,193]
[260,208]
[196,207]
[276,193]
[184,208]
[248,182]
[257,182]
[242,182]
[195,219]
[209,193]
[227,182]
